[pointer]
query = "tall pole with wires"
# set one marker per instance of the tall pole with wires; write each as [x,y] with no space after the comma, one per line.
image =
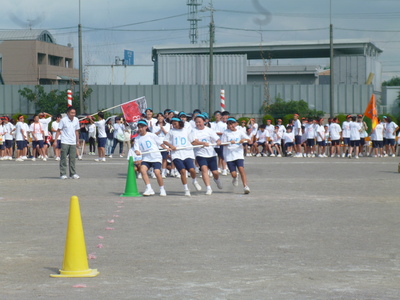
[332,81]
[81,106]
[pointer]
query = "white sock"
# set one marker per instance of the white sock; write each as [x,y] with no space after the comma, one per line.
[148,186]
[185,187]
[208,187]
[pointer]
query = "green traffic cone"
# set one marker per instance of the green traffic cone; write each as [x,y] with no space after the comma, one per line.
[131,189]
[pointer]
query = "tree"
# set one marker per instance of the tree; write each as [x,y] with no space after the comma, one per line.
[281,108]
[54,102]
[395,81]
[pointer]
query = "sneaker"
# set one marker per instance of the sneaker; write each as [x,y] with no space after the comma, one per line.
[218,183]
[279,155]
[80,157]
[57,158]
[44,159]
[333,155]
[148,192]
[163,193]
[177,175]
[153,175]
[393,155]
[24,157]
[33,159]
[360,155]
[258,155]
[385,155]
[248,154]
[75,176]
[163,175]
[110,156]
[63,177]
[246,190]
[235,181]
[209,192]
[320,155]
[224,173]
[103,159]
[19,159]
[272,155]
[97,159]
[121,155]
[219,169]
[10,158]
[356,157]
[139,176]
[187,193]
[343,154]
[349,156]
[197,185]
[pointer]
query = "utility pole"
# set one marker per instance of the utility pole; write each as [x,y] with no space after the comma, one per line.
[193,19]
[81,106]
[332,81]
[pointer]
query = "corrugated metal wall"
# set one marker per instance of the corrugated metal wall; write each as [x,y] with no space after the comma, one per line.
[240,99]
[193,69]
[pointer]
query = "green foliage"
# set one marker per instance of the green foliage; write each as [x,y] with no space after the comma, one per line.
[341,118]
[395,81]
[281,108]
[286,118]
[54,102]
[15,117]
[268,117]
[243,119]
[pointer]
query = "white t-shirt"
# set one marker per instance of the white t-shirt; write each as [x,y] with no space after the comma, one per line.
[355,128]
[390,130]
[157,130]
[101,127]
[45,124]
[25,127]
[297,127]
[334,131]
[180,138]
[118,129]
[233,151]
[262,136]
[149,142]
[37,131]
[151,123]
[205,135]
[346,129]
[132,153]
[68,129]
[254,128]
[54,126]
[18,131]
[276,138]
[218,127]
[288,137]
[310,130]
[8,128]
[270,128]
[92,131]
[320,133]
[377,133]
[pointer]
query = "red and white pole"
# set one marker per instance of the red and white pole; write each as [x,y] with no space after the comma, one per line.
[69,93]
[222,100]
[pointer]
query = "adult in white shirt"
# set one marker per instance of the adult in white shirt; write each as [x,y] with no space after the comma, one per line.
[69,131]
[206,156]
[179,140]
[149,118]
[119,136]
[390,134]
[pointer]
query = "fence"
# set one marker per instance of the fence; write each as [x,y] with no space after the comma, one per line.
[239,99]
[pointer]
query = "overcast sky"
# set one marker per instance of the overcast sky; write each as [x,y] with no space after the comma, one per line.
[162,22]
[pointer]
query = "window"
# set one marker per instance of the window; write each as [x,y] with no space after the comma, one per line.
[41,58]
[54,60]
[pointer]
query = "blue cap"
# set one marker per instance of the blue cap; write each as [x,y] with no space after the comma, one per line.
[176,119]
[142,122]
[201,116]
[231,119]
[148,109]
[182,113]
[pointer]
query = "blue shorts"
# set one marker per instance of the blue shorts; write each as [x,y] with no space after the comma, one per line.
[164,155]
[186,164]
[36,143]
[232,165]
[377,144]
[310,142]
[58,144]
[210,162]
[297,140]
[220,152]
[154,165]
[8,143]
[335,142]
[289,144]
[346,141]
[355,143]
[390,142]
[321,143]
[20,145]
[2,147]
[102,142]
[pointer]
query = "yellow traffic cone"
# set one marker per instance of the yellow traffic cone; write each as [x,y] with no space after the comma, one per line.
[131,189]
[75,258]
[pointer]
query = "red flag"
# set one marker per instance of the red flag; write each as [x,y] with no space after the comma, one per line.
[131,111]
[371,111]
